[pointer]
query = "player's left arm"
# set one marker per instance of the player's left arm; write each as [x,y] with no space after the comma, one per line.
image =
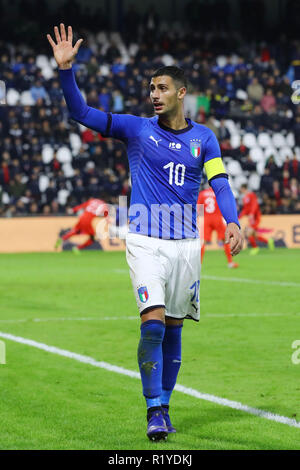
[80,206]
[243,212]
[218,180]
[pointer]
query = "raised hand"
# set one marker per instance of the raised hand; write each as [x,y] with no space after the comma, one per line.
[63,51]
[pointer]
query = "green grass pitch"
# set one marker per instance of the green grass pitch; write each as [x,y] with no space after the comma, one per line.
[240,350]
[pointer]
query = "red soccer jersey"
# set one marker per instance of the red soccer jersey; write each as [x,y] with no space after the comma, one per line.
[213,219]
[251,208]
[250,205]
[208,198]
[93,208]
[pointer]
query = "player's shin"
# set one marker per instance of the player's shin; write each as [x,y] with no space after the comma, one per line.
[171,361]
[89,242]
[252,241]
[150,359]
[69,234]
[227,252]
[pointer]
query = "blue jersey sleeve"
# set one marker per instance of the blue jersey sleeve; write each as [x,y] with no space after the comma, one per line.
[225,199]
[212,148]
[120,126]
[124,126]
[78,109]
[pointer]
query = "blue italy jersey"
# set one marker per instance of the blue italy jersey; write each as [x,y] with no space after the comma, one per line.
[166,167]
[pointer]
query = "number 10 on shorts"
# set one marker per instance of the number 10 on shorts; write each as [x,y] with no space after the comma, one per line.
[195,291]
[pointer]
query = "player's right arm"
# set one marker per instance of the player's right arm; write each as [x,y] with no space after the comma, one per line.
[114,125]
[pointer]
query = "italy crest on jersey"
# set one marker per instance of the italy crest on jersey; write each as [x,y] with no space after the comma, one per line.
[143,294]
[195,147]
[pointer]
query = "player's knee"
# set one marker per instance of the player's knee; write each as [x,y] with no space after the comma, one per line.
[153,330]
[153,314]
[173,322]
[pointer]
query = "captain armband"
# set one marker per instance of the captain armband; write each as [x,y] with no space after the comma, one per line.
[215,168]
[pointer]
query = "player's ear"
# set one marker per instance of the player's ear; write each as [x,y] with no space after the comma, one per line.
[181,93]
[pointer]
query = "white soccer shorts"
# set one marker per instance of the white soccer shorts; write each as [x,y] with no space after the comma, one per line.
[165,273]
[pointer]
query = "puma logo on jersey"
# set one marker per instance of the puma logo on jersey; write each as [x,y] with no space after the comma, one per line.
[154,140]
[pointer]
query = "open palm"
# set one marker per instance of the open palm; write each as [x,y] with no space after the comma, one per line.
[63,50]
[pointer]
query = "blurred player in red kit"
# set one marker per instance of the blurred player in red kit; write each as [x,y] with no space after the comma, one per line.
[252,210]
[92,208]
[213,221]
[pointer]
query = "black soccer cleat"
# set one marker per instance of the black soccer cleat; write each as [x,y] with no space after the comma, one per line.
[157,429]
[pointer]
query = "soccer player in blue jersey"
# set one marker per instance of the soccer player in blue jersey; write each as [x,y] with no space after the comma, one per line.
[166,155]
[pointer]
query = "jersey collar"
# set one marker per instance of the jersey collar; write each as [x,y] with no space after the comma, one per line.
[179,131]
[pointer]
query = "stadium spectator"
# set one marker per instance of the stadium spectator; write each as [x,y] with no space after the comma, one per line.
[268,101]
[38,91]
[255,91]
[224,133]
[267,183]
[105,99]
[55,93]
[118,102]
[211,123]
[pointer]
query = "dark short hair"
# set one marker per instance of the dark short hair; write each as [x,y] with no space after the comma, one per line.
[244,186]
[176,73]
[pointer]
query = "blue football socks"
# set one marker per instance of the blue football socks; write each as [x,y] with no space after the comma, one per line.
[171,360]
[150,359]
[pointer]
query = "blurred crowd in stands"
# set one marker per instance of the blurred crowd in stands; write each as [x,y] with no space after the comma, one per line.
[49,163]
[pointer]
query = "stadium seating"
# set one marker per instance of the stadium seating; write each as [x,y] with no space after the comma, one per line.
[264,140]
[26,99]
[249,140]
[12,97]
[64,155]
[43,183]
[278,140]
[47,153]
[254,182]
[62,152]
[257,154]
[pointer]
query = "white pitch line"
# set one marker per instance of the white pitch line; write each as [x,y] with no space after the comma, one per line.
[41,320]
[84,319]
[180,388]
[136,317]
[250,315]
[234,279]
[251,281]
